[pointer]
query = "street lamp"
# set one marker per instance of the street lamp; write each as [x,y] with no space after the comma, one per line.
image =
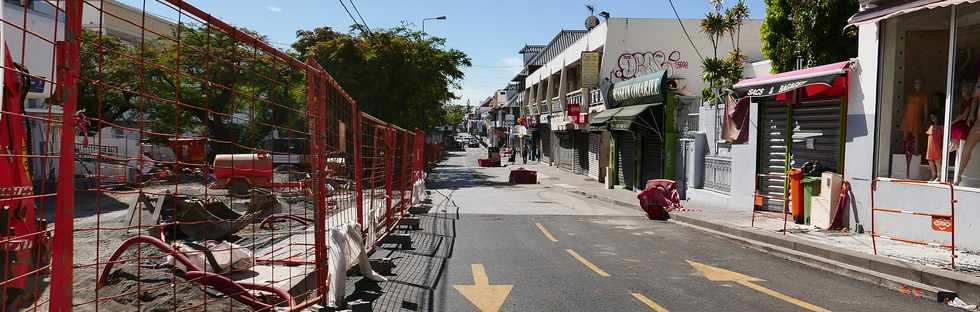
[430,18]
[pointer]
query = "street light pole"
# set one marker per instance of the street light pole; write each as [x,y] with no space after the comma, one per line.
[430,18]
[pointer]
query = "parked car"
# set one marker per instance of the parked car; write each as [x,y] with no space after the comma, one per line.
[473,142]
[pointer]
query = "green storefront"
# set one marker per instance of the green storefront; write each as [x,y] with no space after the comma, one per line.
[641,145]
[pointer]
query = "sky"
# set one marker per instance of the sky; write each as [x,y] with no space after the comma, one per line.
[489,32]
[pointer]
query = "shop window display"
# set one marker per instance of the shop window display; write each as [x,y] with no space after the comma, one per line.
[912,99]
[928,117]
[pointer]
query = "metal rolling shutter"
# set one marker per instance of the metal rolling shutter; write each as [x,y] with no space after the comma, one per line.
[819,117]
[772,130]
[816,117]
[545,136]
[566,152]
[595,139]
[652,157]
[581,141]
[627,167]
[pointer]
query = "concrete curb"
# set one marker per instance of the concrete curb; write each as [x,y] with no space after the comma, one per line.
[902,285]
[913,279]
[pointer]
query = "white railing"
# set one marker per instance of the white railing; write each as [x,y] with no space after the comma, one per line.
[718,174]
[596,97]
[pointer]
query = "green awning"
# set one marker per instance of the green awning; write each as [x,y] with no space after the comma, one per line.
[639,117]
[600,120]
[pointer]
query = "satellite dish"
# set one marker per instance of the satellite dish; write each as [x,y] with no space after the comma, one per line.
[591,22]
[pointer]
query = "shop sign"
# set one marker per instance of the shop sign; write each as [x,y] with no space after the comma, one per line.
[942,224]
[649,86]
[776,89]
[590,69]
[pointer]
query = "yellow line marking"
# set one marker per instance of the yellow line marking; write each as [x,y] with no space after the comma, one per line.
[588,264]
[546,232]
[649,302]
[781,296]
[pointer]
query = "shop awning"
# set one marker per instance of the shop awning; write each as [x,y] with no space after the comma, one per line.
[896,8]
[600,120]
[816,79]
[635,117]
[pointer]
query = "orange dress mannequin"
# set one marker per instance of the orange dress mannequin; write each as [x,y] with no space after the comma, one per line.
[913,121]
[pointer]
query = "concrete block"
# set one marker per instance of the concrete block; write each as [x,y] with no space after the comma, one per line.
[403,240]
[420,209]
[411,223]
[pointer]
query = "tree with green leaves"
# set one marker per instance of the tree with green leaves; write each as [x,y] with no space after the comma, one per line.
[225,89]
[455,114]
[721,72]
[808,33]
[394,74]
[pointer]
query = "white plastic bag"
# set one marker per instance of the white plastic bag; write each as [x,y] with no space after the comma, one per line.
[346,249]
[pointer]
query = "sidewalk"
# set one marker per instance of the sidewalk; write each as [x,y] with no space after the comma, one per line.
[915,263]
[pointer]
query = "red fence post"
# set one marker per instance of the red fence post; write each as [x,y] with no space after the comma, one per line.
[389,148]
[404,170]
[69,67]
[316,105]
[358,165]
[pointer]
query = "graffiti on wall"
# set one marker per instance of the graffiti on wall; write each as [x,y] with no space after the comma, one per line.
[634,64]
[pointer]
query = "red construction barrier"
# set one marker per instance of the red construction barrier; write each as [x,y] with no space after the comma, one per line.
[761,198]
[184,160]
[942,222]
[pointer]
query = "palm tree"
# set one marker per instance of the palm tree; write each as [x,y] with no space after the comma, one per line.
[736,16]
[715,26]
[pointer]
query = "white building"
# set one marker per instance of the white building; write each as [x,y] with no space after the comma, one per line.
[567,91]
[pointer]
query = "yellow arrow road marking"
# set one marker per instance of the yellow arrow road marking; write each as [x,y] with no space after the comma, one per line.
[546,232]
[647,301]
[588,264]
[715,274]
[486,297]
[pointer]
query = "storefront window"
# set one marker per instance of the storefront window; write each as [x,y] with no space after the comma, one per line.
[964,167]
[925,122]
[912,100]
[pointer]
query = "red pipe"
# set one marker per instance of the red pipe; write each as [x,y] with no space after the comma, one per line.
[179,257]
[236,290]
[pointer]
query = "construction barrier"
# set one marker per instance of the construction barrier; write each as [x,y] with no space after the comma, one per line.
[760,198]
[942,214]
[183,164]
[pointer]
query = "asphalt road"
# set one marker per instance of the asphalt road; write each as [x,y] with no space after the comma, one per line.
[563,252]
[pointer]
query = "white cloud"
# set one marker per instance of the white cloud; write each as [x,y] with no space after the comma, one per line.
[273,8]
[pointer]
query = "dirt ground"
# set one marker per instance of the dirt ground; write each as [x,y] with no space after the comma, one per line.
[102,223]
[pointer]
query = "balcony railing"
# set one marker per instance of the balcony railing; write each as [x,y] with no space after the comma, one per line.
[718,174]
[596,97]
[556,105]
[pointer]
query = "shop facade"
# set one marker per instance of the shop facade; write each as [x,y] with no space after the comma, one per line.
[911,116]
[576,85]
[642,146]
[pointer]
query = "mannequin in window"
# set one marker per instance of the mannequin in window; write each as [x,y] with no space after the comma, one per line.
[913,122]
[960,128]
[914,119]
[934,149]
[972,138]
